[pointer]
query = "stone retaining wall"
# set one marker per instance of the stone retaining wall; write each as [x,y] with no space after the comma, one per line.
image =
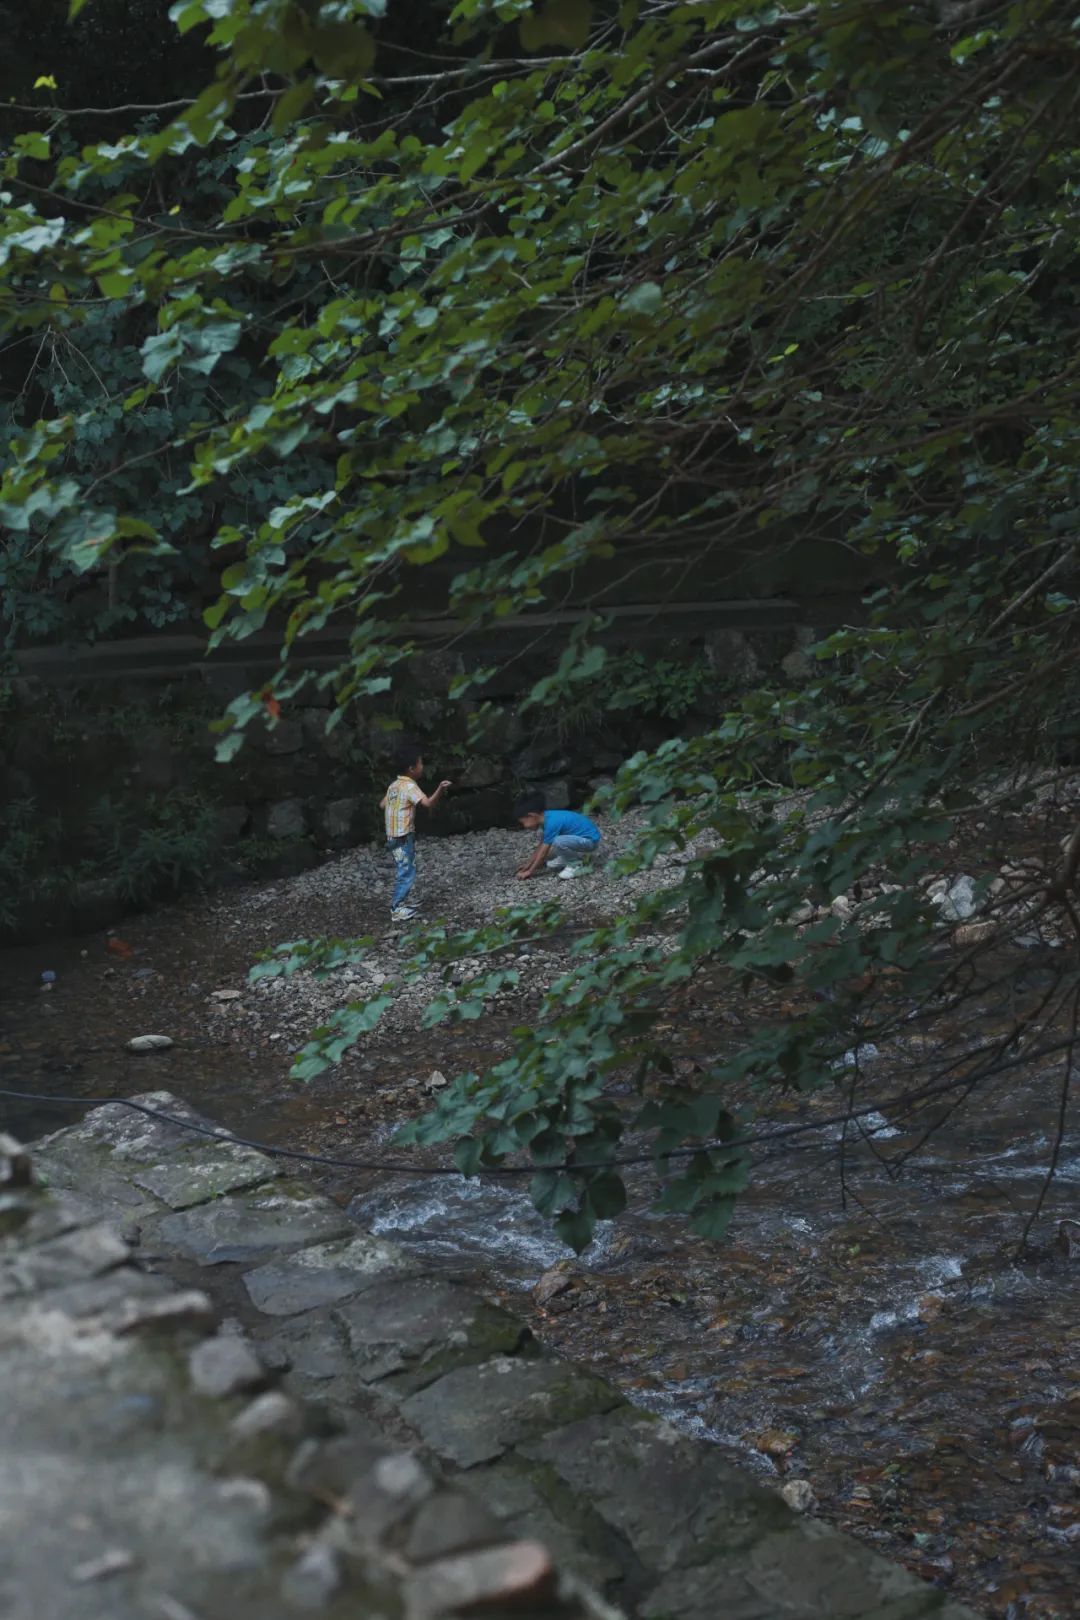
[155,1469]
[508,1465]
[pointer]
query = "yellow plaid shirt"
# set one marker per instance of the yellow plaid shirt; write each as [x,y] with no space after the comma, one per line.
[401,798]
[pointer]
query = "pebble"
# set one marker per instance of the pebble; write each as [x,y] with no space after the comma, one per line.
[799,1495]
[190,1308]
[272,1413]
[149,1043]
[775,1442]
[554,1281]
[113,1562]
[314,1579]
[223,1366]
[955,901]
[519,1575]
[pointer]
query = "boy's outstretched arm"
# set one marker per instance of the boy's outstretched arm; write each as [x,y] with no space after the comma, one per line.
[429,801]
[531,868]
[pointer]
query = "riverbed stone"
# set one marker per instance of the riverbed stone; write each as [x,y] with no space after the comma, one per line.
[479,772]
[186,1310]
[671,1500]
[798,665]
[558,794]
[224,1365]
[231,822]
[134,1137]
[518,1576]
[286,737]
[474,1414]
[249,1226]
[312,1350]
[206,1171]
[412,1330]
[323,1274]
[72,1257]
[286,819]
[340,818]
[91,1191]
[797,1576]
[108,1297]
[731,657]
[531,1500]
[314,1579]
[451,1522]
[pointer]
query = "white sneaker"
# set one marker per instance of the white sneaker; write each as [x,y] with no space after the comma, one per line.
[573,872]
[555,862]
[403,913]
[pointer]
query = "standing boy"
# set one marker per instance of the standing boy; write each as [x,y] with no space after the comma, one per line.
[399,802]
[567,839]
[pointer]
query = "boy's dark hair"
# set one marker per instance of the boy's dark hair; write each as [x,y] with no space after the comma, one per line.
[406,753]
[530,804]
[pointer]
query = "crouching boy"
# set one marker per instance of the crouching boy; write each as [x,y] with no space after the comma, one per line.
[567,840]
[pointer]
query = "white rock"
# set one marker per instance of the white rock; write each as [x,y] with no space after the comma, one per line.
[957,902]
[799,1495]
[224,1366]
[272,1413]
[314,1578]
[435,1081]
[149,1043]
[226,995]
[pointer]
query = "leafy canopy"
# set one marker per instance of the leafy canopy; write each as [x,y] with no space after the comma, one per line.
[516,307]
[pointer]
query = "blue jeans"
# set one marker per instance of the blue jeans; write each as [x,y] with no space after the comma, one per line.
[404,852]
[570,845]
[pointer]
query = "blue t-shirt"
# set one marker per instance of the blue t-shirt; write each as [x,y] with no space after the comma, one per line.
[558,822]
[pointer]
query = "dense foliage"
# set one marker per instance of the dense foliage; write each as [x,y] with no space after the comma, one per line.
[559,302]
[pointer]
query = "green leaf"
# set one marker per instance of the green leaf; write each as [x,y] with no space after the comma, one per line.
[468,1156]
[607,1196]
[575,1227]
[556,22]
[343,50]
[713,1219]
[160,353]
[644,299]
[33,145]
[551,1191]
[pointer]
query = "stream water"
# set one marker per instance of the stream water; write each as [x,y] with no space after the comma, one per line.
[877,1338]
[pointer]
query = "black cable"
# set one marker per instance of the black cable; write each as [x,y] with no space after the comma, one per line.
[899,1104]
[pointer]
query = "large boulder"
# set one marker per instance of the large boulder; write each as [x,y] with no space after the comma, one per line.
[286,819]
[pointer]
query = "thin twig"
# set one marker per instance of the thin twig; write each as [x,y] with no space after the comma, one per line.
[1062,1122]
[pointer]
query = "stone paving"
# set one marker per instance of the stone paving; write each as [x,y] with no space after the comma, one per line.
[275,1413]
